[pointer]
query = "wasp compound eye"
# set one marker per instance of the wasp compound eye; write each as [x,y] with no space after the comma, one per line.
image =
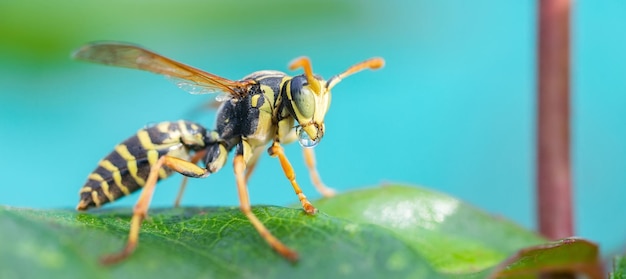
[305,102]
[304,139]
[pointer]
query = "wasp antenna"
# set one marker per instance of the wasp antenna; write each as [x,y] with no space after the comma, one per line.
[305,63]
[372,63]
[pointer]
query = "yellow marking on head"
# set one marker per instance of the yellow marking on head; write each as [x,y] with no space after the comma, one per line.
[144,139]
[95,198]
[105,189]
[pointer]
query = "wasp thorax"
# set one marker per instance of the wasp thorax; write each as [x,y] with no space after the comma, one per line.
[304,139]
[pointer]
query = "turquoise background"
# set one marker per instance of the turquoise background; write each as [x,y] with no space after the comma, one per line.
[454,108]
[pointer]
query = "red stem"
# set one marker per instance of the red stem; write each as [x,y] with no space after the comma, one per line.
[554,191]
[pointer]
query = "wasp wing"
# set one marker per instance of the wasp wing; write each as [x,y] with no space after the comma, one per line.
[194,87]
[185,77]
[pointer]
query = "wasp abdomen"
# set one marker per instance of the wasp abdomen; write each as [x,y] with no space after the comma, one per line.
[125,170]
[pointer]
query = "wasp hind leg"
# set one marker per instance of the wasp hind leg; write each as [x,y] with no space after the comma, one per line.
[183,184]
[140,211]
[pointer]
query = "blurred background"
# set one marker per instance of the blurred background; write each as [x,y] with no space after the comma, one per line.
[453,109]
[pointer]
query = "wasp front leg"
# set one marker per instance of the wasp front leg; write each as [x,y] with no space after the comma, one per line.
[277,151]
[309,160]
[140,211]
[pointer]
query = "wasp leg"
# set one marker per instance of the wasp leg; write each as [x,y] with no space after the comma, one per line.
[240,166]
[140,211]
[181,190]
[309,160]
[277,151]
[251,165]
[183,184]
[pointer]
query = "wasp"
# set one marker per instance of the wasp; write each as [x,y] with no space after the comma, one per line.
[263,108]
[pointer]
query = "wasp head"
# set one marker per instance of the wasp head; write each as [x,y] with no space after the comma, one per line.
[308,104]
[309,97]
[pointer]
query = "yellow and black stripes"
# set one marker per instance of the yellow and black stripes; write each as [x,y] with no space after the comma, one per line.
[126,168]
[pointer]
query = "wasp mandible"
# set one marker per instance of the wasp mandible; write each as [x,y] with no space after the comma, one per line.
[260,108]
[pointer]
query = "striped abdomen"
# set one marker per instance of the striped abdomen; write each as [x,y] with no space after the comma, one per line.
[126,169]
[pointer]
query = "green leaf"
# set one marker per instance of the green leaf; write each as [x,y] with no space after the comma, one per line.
[619,268]
[382,232]
[199,243]
[569,256]
[454,236]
